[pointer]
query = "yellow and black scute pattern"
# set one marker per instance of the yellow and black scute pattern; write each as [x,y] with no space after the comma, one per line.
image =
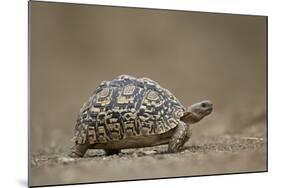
[127,107]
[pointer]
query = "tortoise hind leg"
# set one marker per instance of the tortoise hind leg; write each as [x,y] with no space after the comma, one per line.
[78,150]
[180,136]
[112,151]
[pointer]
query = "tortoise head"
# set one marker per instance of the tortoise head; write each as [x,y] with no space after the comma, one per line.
[197,111]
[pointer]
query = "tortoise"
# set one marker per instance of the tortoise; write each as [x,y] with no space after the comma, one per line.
[129,112]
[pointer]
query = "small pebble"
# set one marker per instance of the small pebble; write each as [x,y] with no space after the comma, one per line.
[66,160]
[149,152]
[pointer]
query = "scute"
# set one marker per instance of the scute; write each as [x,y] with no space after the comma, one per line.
[127,107]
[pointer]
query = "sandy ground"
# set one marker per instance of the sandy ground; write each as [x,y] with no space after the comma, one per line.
[218,155]
[202,155]
[196,56]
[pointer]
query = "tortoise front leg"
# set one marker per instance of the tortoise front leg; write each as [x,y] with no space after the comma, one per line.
[78,150]
[180,136]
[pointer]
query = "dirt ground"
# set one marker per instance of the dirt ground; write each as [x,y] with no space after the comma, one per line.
[196,56]
[217,155]
[202,155]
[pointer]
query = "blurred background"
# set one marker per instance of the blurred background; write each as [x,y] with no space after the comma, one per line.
[196,56]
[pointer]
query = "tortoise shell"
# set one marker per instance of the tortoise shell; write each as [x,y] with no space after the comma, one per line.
[127,107]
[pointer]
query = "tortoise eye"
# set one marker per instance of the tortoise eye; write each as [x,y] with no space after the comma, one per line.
[204,105]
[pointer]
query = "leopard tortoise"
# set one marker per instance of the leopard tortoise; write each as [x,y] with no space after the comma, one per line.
[129,112]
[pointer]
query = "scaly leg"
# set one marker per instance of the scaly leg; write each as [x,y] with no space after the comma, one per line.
[78,150]
[180,136]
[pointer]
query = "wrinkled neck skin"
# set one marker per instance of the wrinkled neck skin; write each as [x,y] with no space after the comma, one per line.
[190,118]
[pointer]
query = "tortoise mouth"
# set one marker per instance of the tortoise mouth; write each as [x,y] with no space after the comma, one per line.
[209,111]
